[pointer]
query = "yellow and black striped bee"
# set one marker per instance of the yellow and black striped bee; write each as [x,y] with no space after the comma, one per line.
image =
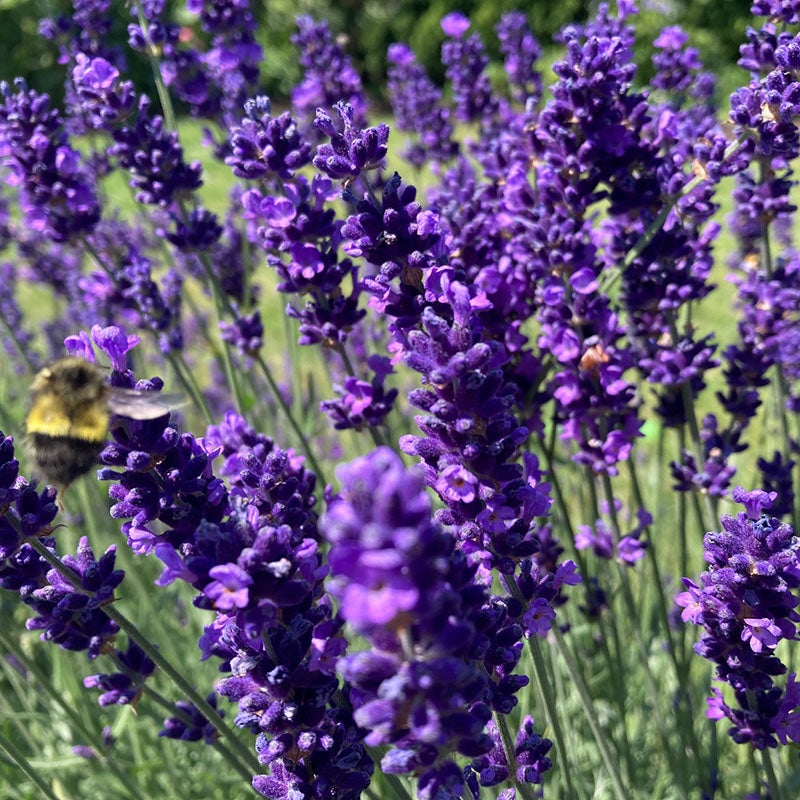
[67,424]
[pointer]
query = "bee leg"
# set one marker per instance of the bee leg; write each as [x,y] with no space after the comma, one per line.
[60,490]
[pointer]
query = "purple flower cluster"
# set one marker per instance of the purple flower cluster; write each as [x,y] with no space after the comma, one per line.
[23,512]
[530,756]
[151,155]
[66,603]
[57,194]
[541,294]
[328,74]
[249,550]
[361,403]
[398,238]
[301,236]
[264,146]
[422,688]
[418,108]
[352,150]
[83,32]
[746,604]
[465,62]
[191,725]
[471,436]
[600,538]
[124,687]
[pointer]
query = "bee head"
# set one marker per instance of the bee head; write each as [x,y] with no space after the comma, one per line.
[73,378]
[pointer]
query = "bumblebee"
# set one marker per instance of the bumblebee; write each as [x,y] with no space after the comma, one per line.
[67,424]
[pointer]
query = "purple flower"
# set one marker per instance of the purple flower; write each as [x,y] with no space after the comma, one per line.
[539,617]
[455,24]
[521,50]
[328,74]
[264,146]
[246,333]
[762,634]
[104,98]
[124,687]
[352,150]
[154,159]
[530,754]
[786,11]
[71,615]
[746,605]
[362,403]
[399,580]
[198,728]
[229,589]
[417,106]
[465,61]
[57,194]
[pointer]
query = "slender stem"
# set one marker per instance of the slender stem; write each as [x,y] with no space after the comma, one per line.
[222,305]
[18,757]
[775,788]
[683,540]
[308,450]
[694,430]
[72,715]
[152,652]
[591,716]
[616,669]
[633,614]
[187,380]
[184,686]
[562,506]
[163,94]
[551,713]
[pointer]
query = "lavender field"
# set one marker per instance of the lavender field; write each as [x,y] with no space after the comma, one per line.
[476,470]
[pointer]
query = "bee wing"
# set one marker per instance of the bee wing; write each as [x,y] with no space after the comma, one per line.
[134,404]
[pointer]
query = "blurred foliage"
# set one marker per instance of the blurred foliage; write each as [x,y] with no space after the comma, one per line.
[368,27]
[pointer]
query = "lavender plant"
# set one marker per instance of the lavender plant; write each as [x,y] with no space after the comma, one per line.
[425,537]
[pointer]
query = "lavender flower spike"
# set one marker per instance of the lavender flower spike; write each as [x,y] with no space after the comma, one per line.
[746,603]
[420,688]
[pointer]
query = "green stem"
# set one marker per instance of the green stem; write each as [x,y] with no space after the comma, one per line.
[775,789]
[307,449]
[187,380]
[678,658]
[72,715]
[694,430]
[591,716]
[562,506]
[616,669]
[184,686]
[222,306]
[152,652]
[18,757]
[163,94]
[551,713]
[633,615]
[509,746]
